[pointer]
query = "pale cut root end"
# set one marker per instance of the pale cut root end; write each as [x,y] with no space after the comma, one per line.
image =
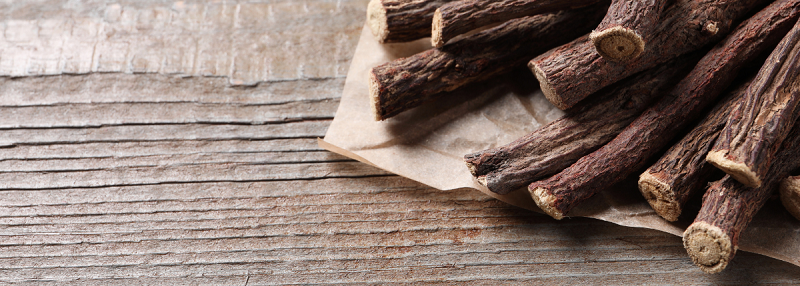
[377,21]
[374,96]
[790,195]
[708,246]
[660,196]
[482,180]
[617,43]
[739,171]
[472,168]
[545,202]
[546,87]
[436,30]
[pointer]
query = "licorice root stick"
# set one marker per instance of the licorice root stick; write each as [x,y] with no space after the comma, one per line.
[588,126]
[682,171]
[459,17]
[570,73]
[405,83]
[750,140]
[729,206]
[394,21]
[651,131]
[621,36]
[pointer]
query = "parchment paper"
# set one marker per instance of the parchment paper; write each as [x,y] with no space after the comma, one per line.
[427,145]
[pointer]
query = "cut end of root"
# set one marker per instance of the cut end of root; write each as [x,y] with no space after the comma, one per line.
[709,247]
[472,168]
[790,195]
[660,196]
[374,96]
[436,30]
[482,180]
[618,44]
[739,171]
[546,87]
[376,19]
[545,201]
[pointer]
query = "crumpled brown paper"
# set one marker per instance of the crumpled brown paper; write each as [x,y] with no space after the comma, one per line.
[427,145]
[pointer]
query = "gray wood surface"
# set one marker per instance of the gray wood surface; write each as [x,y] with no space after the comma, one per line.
[161,170]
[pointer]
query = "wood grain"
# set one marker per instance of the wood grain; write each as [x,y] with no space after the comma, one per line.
[117,178]
[234,39]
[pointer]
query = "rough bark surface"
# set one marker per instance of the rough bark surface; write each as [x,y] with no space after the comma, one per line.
[405,83]
[754,132]
[393,21]
[651,131]
[585,128]
[728,206]
[682,171]
[622,33]
[459,17]
[790,195]
[572,72]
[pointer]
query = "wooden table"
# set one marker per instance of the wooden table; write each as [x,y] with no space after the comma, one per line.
[174,143]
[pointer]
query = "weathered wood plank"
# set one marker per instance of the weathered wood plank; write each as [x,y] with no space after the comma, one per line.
[521,240]
[168,132]
[418,269]
[100,114]
[154,148]
[227,172]
[149,88]
[220,190]
[235,39]
[466,236]
[87,164]
[279,208]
